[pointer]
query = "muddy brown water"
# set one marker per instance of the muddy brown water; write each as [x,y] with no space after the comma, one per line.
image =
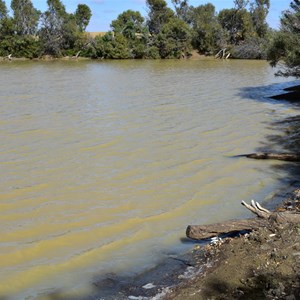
[104,164]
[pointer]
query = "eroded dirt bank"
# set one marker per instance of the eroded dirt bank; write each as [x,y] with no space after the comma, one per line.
[263,264]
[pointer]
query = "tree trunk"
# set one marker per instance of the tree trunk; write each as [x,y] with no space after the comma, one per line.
[222,54]
[265,218]
[199,232]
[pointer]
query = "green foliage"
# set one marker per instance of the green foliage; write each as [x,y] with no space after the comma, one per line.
[3,10]
[291,18]
[182,9]
[112,47]
[17,33]
[237,23]
[25,17]
[82,15]
[129,23]
[7,27]
[174,40]
[52,31]
[164,34]
[21,46]
[158,15]
[241,4]
[259,12]
[129,29]
[205,28]
[286,43]
[59,30]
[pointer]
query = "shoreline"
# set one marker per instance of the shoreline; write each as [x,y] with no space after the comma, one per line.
[225,270]
[194,56]
[263,264]
[187,275]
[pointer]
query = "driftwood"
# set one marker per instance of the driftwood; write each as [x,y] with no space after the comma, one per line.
[77,55]
[199,232]
[222,54]
[9,57]
[265,218]
[279,156]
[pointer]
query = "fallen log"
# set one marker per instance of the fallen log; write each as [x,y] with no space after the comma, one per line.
[200,232]
[265,218]
[279,156]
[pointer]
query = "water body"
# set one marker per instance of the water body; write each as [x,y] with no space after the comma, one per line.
[104,164]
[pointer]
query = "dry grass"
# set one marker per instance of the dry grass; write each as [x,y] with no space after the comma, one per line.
[96,33]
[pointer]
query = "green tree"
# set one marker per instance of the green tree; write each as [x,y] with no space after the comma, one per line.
[3,10]
[6,27]
[59,29]
[285,45]
[129,23]
[51,33]
[20,46]
[237,23]
[174,40]
[83,15]
[158,15]
[206,28]
[240,4]
[6,30]
[259,12]
[112,46]
[182,9]
[25,17]
[5,21]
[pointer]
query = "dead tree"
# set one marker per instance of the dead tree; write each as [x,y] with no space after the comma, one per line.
[77,55]
[222,54]
[8,57]
[265,218]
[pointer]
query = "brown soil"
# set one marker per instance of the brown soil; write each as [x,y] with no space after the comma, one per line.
[264,264]
[195,56]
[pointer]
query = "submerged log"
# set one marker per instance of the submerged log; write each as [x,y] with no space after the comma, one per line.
[265,218]
[279,156]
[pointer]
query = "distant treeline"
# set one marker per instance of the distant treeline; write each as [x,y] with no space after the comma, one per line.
[165,32]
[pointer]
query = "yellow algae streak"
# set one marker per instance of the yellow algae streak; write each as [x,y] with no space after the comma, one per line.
[101,146]
[17,192]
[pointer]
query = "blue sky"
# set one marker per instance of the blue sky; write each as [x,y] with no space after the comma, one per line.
[104,11]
